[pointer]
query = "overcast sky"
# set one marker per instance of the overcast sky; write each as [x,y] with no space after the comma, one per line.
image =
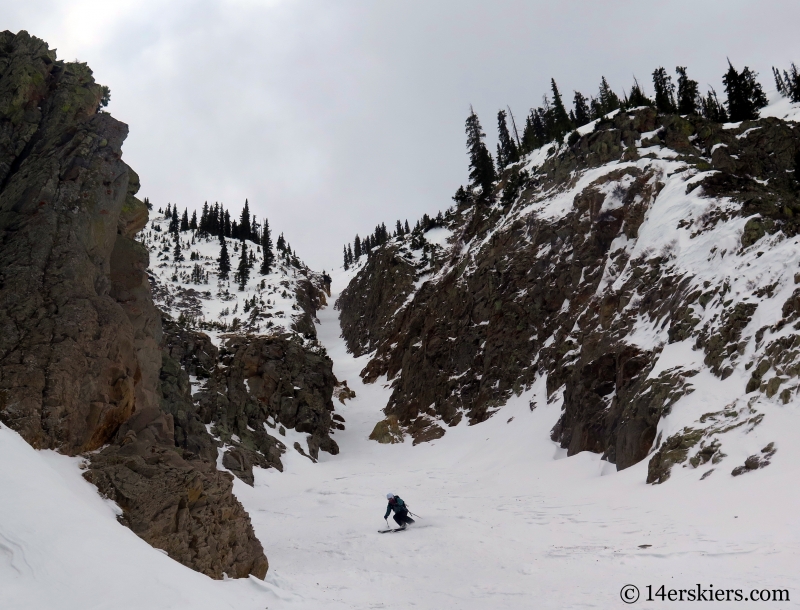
[331,116]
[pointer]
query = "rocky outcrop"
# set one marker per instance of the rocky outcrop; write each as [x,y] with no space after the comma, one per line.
[263,383]
[370,301]
[249,390]
[81,365]
[72,361]
[184,506]
[555,280]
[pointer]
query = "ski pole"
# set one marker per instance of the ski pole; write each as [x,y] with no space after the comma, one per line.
[415,514]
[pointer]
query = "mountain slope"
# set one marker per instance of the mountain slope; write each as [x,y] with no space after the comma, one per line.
[80,345]
[650,258]
[260,369]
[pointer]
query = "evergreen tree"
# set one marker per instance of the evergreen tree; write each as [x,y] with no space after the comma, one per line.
[266,246]
[534,135]
[607,100]
[462,196]
[581,113]
[480,160]
[665,92]
[637,97]
[254,230]
[244,222]
[198,275]
[712,109]
[216,224]
[235,233]
[745,96]
[185,220]
[193,221]
[349,254]
[406,229]
[203,227]
[688,93]
[168,212]
[357,247]
[546,112]
[174,223]
[223,260]
[561,123]
[243,271]
[788,84]
[281,244]
[507,152]
[226,224]
[147,203]
[346,259]
[177,255]
[398,229]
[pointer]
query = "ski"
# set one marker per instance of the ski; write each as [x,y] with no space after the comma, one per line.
[396,529]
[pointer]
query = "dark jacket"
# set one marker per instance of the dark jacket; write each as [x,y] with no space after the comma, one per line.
[397,505]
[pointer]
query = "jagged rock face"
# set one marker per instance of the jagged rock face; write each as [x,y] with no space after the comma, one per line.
[161,470]
[263,382]
[310,298]
[73,358]
[556,280]
[372,298]
[80,357]
[253,385]
[185,507]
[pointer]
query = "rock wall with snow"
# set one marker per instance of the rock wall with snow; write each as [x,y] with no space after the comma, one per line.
[81,366]
[647,256]
[251,350]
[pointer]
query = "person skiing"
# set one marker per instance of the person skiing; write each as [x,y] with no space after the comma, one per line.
[400,509]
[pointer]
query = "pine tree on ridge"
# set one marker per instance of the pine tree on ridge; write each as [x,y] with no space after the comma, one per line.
[223,260]
[266,246]
[243,271]
[688,93]
[665,91]
[745,96]
[481,164]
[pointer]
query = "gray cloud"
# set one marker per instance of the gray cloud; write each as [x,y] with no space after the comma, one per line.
[334,116]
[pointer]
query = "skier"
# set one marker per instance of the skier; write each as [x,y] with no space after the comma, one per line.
[400,509]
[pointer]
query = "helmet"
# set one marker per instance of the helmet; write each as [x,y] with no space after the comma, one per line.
[389,496]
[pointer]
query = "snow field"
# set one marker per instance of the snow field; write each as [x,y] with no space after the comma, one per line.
[62,548]
[508,521]
[221,301]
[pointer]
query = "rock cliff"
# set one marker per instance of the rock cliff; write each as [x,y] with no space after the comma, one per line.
[600,259]
[81,362]
[258,368]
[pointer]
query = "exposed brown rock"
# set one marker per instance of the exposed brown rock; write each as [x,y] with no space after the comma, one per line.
[69,353]
[183,507]
[261,381]
[372,298]
[80,359]
[528,300]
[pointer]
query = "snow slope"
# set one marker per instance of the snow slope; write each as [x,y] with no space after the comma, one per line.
[506,522]
[213,303]
[62,548]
